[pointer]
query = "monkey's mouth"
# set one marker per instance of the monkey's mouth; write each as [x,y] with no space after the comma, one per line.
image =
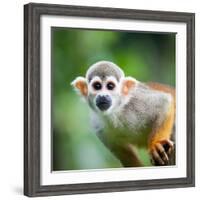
[103,106]
[103,102]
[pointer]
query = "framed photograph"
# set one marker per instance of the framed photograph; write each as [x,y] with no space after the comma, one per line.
[108,98]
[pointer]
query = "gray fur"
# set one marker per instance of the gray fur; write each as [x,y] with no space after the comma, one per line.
[144,109]
[131,117]
[103,69]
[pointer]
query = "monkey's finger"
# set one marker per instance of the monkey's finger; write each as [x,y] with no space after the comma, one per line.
[162,153]
[157,157]
[170,150]
[170,146]
[167,143]
[170,143]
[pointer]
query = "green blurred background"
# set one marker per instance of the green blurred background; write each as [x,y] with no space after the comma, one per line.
[145,56]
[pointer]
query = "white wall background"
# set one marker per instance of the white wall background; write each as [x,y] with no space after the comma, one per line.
[11,98]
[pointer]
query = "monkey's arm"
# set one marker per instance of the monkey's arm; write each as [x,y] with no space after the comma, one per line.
[160,145]
[125,152]
[164,133]
[128,155]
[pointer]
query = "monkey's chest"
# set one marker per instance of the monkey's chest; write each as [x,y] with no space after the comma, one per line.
[116,136]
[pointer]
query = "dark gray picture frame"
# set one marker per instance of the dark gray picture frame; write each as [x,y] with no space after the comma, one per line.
[32,92]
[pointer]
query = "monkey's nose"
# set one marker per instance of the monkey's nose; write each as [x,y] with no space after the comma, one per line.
[103,102]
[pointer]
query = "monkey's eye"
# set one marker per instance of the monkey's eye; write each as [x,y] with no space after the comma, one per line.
[110,86]
[97,85]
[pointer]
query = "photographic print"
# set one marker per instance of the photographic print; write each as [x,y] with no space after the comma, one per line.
[124,115]
[108,99]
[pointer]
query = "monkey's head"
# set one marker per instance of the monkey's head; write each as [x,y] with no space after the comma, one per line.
[105,87]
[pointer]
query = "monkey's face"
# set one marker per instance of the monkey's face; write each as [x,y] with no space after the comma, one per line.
[105,87]
[104,95]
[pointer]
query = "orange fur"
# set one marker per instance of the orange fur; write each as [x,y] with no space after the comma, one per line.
[163,88]
[127,85]
[164,131]
[82,86]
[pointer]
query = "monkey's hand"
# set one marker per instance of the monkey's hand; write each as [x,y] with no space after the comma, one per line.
[161,151]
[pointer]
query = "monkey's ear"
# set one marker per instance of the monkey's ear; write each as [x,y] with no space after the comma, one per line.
[80,85]
[127,84]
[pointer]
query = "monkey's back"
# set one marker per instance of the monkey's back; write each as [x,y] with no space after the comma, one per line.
[145,107]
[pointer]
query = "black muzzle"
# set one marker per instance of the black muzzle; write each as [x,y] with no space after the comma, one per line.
[103,102]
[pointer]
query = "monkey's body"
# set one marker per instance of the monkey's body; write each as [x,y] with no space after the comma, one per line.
[133,125]
[112,136]
[129,115]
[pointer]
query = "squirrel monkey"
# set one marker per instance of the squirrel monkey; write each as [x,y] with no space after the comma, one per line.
[128,114]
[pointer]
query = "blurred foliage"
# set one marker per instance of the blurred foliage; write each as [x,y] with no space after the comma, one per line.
[145,56]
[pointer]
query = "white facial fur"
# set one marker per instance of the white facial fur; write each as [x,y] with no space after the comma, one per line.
[114,93]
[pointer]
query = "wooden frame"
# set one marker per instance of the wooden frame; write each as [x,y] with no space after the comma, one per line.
[32,14]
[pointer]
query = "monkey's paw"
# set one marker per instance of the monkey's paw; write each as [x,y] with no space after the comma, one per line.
[161,151]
